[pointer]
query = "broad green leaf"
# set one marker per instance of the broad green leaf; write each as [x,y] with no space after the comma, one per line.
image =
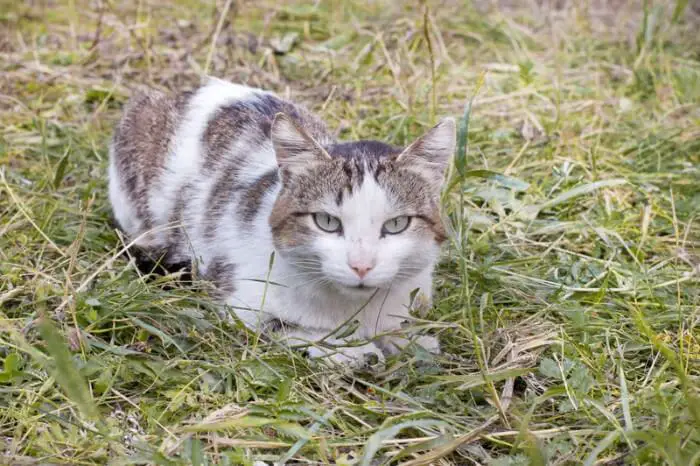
[284,389]
[504,180]
[550,368]
[581,190]
[12,362]
[292,429]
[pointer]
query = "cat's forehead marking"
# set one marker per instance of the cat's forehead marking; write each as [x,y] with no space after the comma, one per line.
[351,165]
[365,150]
[359,159]
[367,205]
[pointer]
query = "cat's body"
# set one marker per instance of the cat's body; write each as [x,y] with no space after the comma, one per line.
[213,178]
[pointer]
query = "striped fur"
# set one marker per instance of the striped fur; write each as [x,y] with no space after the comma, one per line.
[228,175]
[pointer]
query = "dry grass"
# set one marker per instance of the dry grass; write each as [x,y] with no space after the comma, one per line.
[567,302]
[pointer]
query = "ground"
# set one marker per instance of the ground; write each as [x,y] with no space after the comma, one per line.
[567,302]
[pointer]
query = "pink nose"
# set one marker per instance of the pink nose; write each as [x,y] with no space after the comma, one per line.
[361,271]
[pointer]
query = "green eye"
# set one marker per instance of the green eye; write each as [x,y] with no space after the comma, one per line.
[396,225]
[327,223]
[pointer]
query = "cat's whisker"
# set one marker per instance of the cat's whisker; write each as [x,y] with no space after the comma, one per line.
[308,269]
[307,266]
[302,275]
[305,269]
[316,281]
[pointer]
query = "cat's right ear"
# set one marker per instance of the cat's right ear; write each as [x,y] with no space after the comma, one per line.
[296,151]
[430,154]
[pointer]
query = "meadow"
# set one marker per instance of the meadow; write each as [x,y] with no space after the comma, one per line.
[567,302]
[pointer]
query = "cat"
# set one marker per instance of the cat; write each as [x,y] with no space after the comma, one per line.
[299,233]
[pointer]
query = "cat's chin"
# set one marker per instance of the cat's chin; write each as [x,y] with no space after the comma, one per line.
[355,290]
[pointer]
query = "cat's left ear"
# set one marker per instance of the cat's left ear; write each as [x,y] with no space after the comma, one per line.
[296,150]
[430,154]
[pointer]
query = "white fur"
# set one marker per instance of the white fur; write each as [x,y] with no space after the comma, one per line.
[316,304]
[183,163]
[123,211]
[319,308]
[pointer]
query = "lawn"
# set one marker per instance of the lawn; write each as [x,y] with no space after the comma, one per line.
[567,302]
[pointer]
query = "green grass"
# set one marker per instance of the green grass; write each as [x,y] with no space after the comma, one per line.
[567,303]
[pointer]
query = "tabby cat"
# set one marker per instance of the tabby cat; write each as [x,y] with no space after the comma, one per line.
[299,232]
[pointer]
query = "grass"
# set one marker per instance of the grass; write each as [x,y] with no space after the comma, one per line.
[567,302]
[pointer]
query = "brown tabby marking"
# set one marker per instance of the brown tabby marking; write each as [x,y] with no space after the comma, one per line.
[177,234]
[227,125]
[142,140]
[219,197]
[252,198]
[221,272]
[269,105]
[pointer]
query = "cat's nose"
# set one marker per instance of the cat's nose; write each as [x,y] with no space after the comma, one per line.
[361,270]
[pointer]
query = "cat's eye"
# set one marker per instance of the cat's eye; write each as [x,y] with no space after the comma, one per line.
[327,223]
[396,225]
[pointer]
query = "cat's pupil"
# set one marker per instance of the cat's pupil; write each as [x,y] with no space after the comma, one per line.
[327,222]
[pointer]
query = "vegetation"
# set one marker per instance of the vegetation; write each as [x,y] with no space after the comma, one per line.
[567,302]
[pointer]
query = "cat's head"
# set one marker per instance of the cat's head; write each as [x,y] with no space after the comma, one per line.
[359,215]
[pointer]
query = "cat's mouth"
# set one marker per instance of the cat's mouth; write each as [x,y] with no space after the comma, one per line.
[360,286]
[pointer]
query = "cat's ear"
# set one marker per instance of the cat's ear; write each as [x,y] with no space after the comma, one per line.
[430,154]
[296,151]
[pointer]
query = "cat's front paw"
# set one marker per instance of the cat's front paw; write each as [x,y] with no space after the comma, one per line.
[429,343]
[368,355]
[395,344]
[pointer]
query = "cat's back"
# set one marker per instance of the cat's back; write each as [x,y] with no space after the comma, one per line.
[215,138]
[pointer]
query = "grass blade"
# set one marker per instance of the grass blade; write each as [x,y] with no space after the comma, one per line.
[679,10]
[237,422]
[303,440]
[625,398]
[601,447]
[463,131]
[64,370]
[375,442]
